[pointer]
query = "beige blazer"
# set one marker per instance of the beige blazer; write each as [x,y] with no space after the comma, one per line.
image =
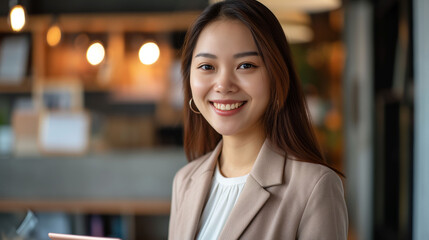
[282,199]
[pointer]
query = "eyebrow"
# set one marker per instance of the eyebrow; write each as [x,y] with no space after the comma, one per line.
[238,55]
[207,55]
[245,54]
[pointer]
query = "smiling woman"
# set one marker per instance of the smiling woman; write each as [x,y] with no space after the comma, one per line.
[256,170]
[229,82]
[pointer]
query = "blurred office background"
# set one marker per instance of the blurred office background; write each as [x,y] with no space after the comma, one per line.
[90,111]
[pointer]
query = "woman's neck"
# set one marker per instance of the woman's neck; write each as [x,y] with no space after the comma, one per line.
[239,154]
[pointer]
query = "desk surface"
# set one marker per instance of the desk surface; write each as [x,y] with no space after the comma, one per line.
[138,182]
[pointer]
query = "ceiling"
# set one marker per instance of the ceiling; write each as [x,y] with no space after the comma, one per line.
[104,6]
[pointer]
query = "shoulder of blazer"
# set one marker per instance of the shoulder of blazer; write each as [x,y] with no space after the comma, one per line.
[187,171]
[306,170]
[320,196]
[306,176]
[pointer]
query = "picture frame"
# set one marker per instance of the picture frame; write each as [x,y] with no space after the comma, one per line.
[14,55]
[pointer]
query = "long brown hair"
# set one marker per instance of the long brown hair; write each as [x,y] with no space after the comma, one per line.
[286,120]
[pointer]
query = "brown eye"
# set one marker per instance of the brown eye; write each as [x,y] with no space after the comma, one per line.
[206,67]
[246,66]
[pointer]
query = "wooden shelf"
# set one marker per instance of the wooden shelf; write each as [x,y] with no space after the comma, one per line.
[24,87]
[135,207]
[27,88]
[14,90]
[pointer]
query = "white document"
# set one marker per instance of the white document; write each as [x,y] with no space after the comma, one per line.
[64,132]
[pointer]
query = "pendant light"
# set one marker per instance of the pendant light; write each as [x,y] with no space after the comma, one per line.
[17,15]
[53,35]
[149,53]
[95,53]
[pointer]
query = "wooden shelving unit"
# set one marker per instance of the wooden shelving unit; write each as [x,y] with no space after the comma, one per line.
[64,61]
[141,183]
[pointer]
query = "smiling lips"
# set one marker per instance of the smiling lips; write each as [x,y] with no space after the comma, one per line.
[227,108]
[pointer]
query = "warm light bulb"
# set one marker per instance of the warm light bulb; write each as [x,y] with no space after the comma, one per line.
[95,53]
[17,18]
[149,53]
[53,37]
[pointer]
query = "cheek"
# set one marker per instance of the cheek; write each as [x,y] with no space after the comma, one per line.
[199,87]
[258,87]
[262,96]
[261,92]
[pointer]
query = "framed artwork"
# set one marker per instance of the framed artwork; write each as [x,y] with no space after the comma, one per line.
[14,54]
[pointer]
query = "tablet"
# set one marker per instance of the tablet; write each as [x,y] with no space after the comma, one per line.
[58,236]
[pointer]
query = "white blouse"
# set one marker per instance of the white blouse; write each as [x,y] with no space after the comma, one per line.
[224,194]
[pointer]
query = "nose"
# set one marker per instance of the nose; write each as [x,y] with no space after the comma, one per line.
[225,83]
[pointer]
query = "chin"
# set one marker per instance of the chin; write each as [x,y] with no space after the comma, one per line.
[226,131]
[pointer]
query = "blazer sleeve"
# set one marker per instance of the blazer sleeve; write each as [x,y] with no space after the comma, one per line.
[173,210]
[325,215]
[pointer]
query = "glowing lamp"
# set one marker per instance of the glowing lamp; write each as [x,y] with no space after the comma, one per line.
[17,18]
[53,37]
[95,53]
[149,53]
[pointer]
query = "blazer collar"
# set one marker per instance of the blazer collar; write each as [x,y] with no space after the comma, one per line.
[269,165]
[268,168]
[268,171]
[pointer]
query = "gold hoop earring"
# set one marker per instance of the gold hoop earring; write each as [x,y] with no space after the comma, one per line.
[192,109]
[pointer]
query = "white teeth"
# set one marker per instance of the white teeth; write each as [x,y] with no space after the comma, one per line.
[227,107]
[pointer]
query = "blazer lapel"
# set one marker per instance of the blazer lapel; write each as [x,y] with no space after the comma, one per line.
[251,200]
[196,195]
[267,171]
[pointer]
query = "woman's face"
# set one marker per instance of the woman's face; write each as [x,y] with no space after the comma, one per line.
[229,81]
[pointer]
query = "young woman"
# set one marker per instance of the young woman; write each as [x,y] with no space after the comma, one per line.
[256,170]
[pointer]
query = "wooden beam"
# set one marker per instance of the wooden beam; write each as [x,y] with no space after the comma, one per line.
[97,23]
